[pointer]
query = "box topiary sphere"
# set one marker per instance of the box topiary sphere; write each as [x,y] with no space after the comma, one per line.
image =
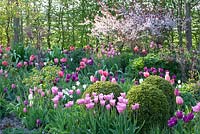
[104,88]
[154,107]
[163,85]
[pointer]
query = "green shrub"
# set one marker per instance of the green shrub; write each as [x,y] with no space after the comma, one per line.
[154,107]
[164,86]
[152,60]
[188,99]
[193,89]
[105,88]
[45,76]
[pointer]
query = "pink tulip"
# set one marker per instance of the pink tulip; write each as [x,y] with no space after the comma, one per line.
[61,74]
[96,99]
[136,49]
[78,91]
[13,86]
[78,69]
[103,78]
[120,99]
[25,63]
[136,106]
[55,105]
[56,60]
[107,97]
[55,99]
[63,60]
[167,77]
[82,63]
[20,64]
[94,94]
[4,63]
[60,94]
[90,105]
[71,92]
[24,110]
[122,105]
[101,96]
[69,104]
[108,106]
[196,109]
[179,100]
[87,100]
[42,94]
[123,95]
[113,80]
[92,79]
[105,73]
[172,81]
[100,72]
[125,101]
[54,90]
[112,102]
[32,58]
[176,92]
[146,74]
[80,101]
[102,102]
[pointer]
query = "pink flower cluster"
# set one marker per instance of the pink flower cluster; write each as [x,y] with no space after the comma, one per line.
[143,51]
[62,60]
[103,76]
[4,73]
[59,95]
[107,101]
[83,63]
[110,51]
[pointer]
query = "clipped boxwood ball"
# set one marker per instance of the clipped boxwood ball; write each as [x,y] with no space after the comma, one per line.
[104,88]
[154,107]
[163,85]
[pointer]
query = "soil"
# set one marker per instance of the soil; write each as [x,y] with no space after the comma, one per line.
[10,122]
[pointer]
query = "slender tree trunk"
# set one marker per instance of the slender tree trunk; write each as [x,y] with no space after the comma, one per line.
[8,24]
[49,23]
[16,24]
[62,26]
[180,36]
[7,31]
[188,31]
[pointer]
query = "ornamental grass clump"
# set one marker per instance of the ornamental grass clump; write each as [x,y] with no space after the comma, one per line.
[154,107]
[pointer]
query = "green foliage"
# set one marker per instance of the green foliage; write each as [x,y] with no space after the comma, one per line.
[75,57]
[121,61]
[154,107]
[193,89]
[3,104]
[38,110]
[104,88]
[45,76]
[152,60]
[188,99]
[20,131]
[164,86]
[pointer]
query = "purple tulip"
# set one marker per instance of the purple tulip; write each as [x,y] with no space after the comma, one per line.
[172,121]
[179,114]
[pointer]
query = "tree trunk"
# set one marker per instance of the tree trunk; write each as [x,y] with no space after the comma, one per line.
[180,36]
[49,23]
[16,24]
[62,27]
[188,31]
